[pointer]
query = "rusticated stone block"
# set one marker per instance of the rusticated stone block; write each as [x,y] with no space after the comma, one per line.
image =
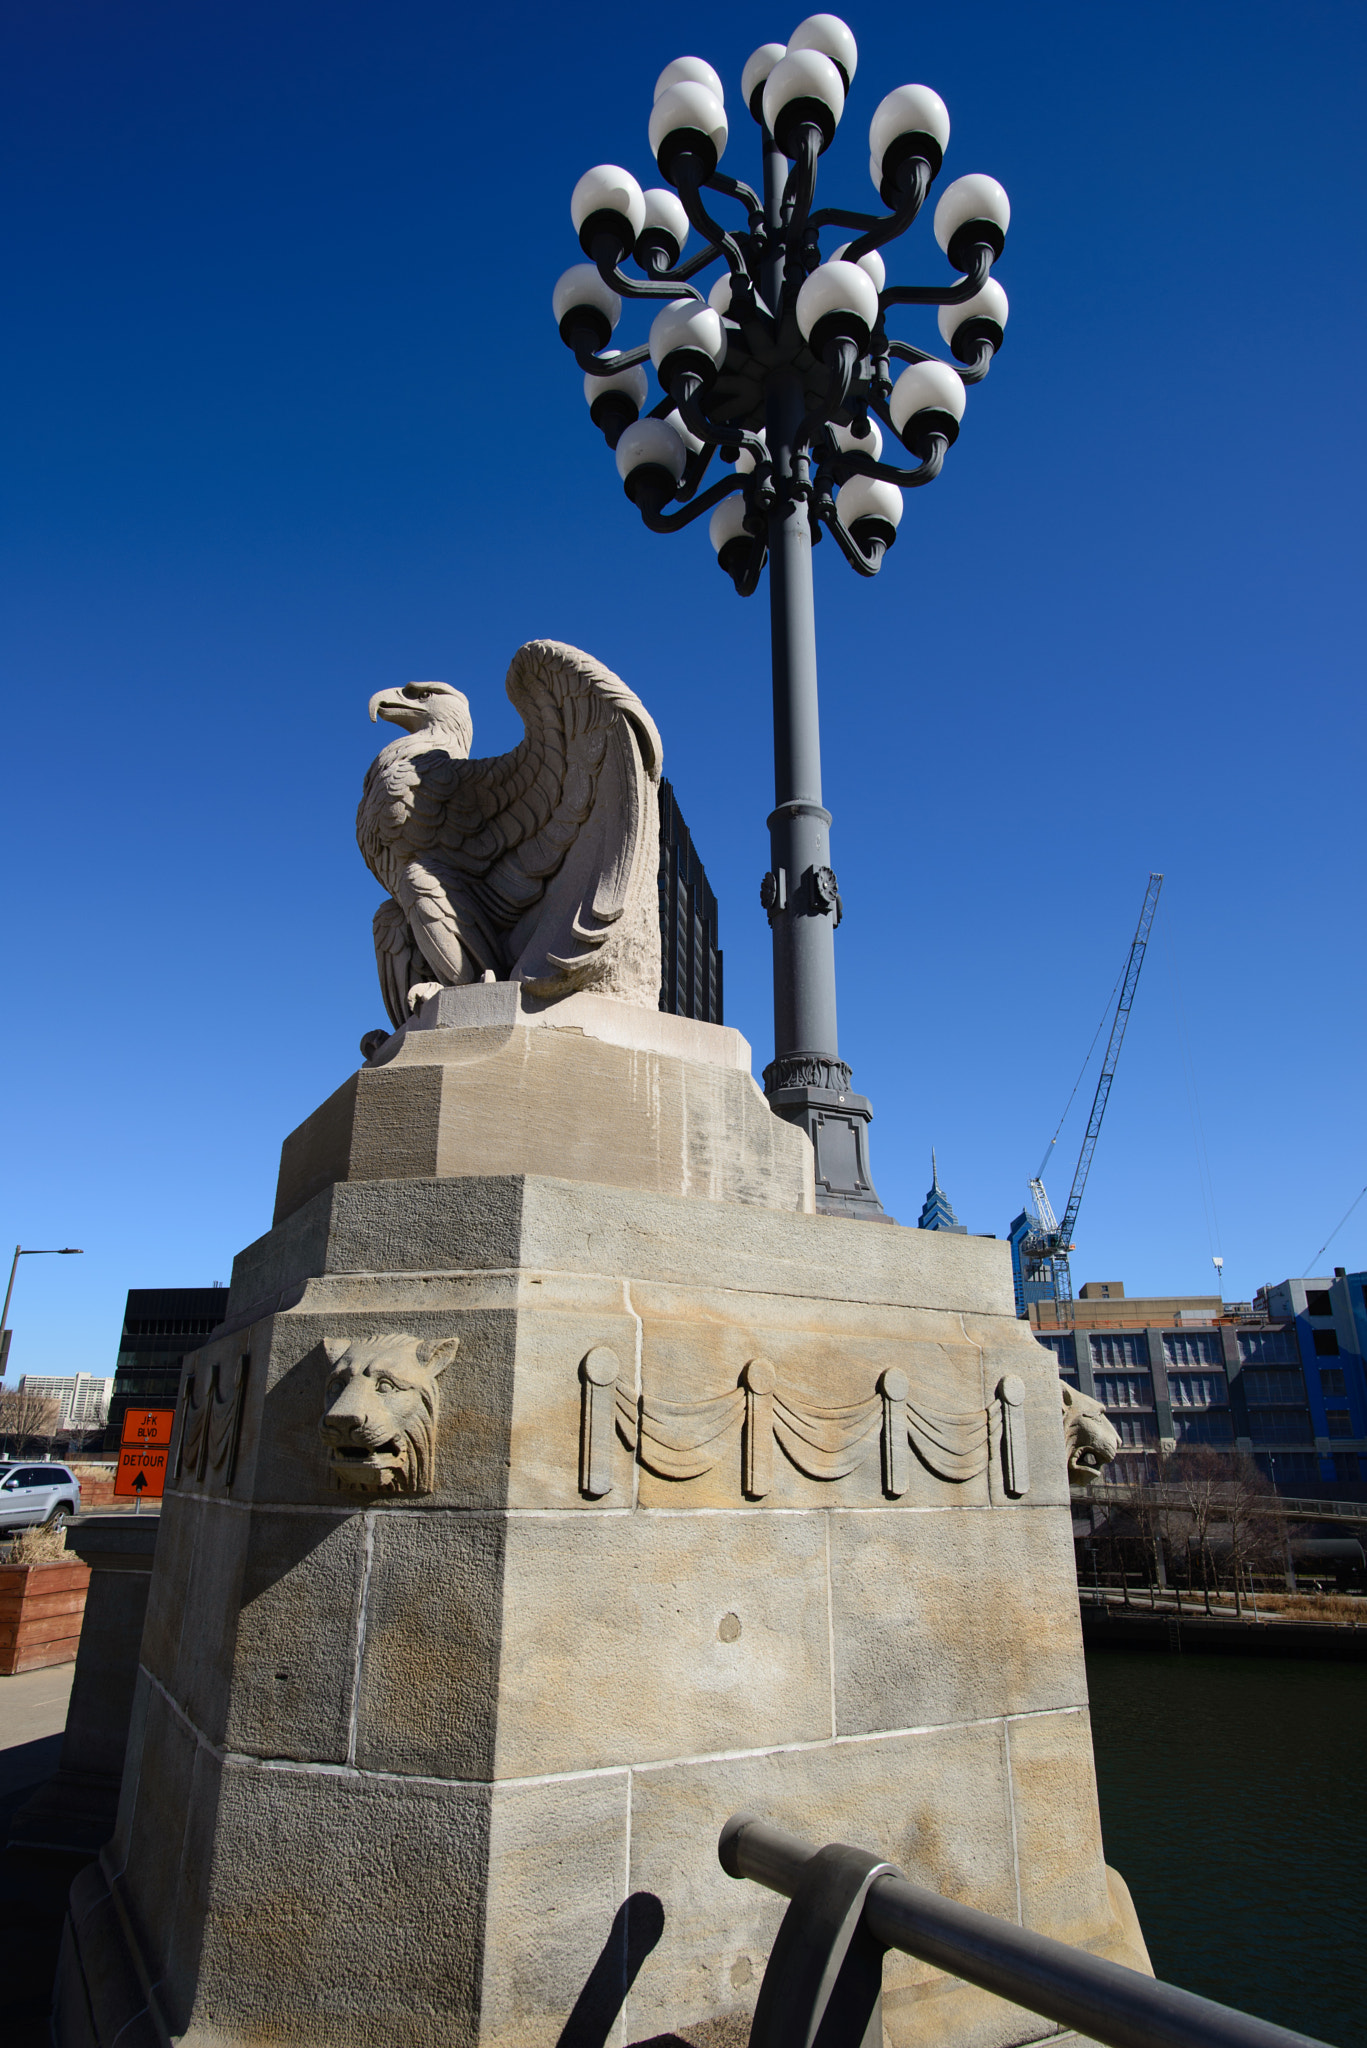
[302,1583]
[938,1612]
[347,1908]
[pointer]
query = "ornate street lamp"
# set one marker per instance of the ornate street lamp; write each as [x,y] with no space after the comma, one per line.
[785,370]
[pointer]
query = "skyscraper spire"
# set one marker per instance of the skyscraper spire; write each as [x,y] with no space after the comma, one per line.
[937,1212]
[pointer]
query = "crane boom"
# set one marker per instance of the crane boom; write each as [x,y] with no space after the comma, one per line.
[1040,1245]
[1108,1065]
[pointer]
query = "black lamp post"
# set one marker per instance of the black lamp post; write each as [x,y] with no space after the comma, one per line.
[27,1251]
[785,370]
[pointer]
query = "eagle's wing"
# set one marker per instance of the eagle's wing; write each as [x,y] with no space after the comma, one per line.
[492,836]
[400,963]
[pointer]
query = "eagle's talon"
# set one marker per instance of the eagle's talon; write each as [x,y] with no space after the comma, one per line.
[419,993]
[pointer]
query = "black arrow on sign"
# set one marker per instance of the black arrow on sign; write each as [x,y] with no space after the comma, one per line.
[140,1483]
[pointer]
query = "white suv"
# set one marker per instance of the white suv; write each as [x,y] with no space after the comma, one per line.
[37,1493]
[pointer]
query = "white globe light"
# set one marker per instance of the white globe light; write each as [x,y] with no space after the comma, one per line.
[757,69]
[833,37]
[608,189]
[926,386]
[866,497]
[719,298]
[848,444]
[803,75]
[689,71]
[976,197]
[907,110]
[837,288]
[727,523]
[872,262]
[665,210]
[690,441]
[633,382]
[685,323]
[650,442]
[582,286]
[989,304]
[689,107]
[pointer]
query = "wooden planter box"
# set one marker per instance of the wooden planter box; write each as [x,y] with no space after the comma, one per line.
[41,1606]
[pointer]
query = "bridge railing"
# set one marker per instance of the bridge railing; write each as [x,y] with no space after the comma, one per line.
[823,1985]
[1290,1507]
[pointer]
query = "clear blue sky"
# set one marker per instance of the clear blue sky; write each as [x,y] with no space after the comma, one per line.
[286,419]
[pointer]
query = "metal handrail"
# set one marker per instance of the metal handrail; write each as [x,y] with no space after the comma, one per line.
[817,1964]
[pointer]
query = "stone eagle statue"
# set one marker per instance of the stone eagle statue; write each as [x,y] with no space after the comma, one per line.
[537,866]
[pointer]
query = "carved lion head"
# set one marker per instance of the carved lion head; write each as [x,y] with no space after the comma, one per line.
[380,1412]
[1089,1437]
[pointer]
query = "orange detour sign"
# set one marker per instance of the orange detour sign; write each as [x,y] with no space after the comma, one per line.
[147,1426]
[141,1473]
[143,1453]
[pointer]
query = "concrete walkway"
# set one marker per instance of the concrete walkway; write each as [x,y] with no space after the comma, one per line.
[32,1888]
[32,1706]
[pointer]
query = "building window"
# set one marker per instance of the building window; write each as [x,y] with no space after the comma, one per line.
[1192,1347]
[1135,1470]
[1326,1343]
[176,1326]
[1290,1468]
[1317,1302]
[1274,1386]
[1120,1350]
[1340,1422]
[1280,1425]
[1348,1465]
[1197,1389]
[1212,1427]
[1266,1347]
[1135,1429]
[1065,1351]
[1331,1382]
[1124,1389]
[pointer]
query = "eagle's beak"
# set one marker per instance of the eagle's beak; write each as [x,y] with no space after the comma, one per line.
[385,703]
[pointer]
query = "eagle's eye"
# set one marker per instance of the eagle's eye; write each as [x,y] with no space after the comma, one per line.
[413,690]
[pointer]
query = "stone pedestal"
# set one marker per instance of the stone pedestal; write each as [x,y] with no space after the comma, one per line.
[731,1505]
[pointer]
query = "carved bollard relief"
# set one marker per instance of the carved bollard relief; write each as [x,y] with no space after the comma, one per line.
[380,1412]
[211,1422]
[682,1440]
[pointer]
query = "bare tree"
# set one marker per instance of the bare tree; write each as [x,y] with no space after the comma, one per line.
[1153,1520]
[27,1418]
[1199,1475]
[1248,1507]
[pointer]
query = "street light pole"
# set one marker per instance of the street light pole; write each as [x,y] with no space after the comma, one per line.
[806,1082]
[785,371]
[30,1251]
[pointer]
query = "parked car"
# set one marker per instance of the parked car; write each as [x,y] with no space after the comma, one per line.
[31,1494]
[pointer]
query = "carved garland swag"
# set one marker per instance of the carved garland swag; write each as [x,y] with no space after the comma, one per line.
[684,1439]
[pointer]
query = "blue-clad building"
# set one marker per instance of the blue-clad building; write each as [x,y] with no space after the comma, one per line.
[1282,1377]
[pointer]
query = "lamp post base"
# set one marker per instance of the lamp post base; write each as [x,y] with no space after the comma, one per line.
[812,1091]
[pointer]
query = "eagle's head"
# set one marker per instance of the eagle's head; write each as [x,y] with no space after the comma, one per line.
[428,708]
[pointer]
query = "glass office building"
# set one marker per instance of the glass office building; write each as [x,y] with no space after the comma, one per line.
[160,1325]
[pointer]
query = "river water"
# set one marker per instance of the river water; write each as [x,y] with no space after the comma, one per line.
[1234,1803]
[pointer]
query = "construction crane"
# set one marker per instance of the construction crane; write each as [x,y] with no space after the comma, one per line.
[1040,1244]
